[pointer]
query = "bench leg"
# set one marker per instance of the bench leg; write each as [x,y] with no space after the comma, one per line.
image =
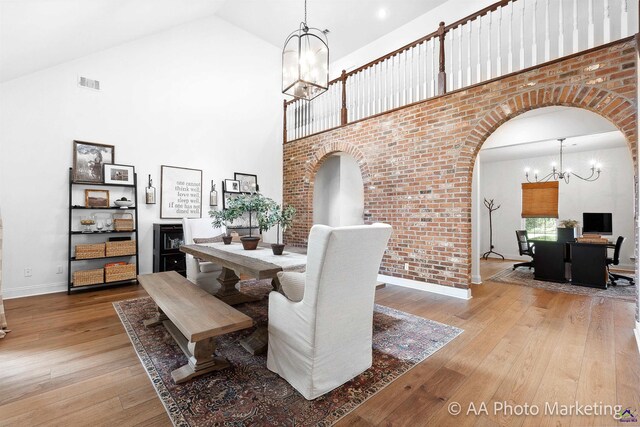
[228,293]
[157,319]
[199,354]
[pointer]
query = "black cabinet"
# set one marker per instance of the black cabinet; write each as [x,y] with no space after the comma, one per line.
[549,261]
[167,239]
[589,265]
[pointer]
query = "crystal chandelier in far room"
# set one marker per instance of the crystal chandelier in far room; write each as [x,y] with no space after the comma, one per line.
[305,62]
[560,173]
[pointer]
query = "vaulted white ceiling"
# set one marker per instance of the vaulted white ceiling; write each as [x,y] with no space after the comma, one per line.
[36,34]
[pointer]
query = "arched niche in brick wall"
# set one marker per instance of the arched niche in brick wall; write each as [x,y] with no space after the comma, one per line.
[529,140]
[338,192]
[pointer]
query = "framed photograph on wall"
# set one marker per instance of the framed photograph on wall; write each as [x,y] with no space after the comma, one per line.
[180,192]
[231,186]
[248,182]
[119,174]
[88,161]
[96,198]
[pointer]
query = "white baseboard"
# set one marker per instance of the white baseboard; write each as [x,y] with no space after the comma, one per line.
[637,334]
[28,291]
[426,287]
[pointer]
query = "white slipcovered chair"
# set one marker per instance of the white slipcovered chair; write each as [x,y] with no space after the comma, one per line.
[202,273]
[320,334]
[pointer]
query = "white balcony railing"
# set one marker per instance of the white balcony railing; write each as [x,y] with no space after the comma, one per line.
[506,37]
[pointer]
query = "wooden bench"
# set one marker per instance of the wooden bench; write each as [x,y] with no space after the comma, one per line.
[194,318]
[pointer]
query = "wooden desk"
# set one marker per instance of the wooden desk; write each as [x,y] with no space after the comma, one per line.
[244,262]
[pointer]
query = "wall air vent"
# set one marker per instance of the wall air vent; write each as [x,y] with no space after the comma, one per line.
[88,83]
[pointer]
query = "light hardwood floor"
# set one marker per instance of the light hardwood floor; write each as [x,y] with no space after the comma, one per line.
[69,362]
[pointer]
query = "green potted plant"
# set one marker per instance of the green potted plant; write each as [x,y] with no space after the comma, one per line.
[224,218]
[253,204]
[281,218]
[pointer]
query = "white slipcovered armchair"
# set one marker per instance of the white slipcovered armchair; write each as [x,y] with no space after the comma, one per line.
[320,334]
[202,273]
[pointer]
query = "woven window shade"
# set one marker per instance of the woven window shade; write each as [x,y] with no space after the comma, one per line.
[540,200]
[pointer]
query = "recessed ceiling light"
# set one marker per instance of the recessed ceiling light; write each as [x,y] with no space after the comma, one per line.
[382,13]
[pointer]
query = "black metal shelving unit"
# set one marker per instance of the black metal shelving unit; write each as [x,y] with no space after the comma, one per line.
[72,261]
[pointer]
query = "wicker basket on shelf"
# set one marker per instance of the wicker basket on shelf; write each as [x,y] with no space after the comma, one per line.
[86,251]
[125,223]
[115,273]
[88,277]
[121,248]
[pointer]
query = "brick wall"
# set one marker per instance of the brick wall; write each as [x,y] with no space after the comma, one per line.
[417,162]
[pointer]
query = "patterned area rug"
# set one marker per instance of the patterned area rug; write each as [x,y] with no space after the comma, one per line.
[524,277]
[248,393]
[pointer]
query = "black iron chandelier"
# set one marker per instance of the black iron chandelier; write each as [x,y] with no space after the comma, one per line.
[562,174]
[305,62]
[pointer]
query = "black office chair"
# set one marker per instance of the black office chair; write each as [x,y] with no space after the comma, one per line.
[525,248]
[615,261]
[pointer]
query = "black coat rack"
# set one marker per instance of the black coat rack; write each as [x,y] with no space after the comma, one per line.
[491,206]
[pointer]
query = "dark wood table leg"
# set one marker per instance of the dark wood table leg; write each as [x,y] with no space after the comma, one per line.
[228,291]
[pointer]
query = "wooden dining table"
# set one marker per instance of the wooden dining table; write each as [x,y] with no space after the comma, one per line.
[259,264]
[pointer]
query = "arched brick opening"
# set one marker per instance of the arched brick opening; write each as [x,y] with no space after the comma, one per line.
[304,218]
[618,110]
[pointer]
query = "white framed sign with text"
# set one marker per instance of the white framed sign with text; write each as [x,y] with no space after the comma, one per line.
[180,192]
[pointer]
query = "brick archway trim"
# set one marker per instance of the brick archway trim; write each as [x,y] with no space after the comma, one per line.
[619,110]
[327,150]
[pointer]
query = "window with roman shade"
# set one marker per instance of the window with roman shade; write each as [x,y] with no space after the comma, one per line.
[540,200]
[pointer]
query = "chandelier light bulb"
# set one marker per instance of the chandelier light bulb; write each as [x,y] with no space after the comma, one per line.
[598,166]
[526,170]
[536,172]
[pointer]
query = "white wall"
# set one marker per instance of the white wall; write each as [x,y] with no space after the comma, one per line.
[338,196]
[612,192]
[204,95]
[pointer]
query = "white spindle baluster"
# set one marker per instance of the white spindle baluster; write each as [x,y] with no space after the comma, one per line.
[479,51]
[499,45]
[361,85]
[547,37]
[409,75]
[489,45]
[405,83]
[369,91]
[434,66]
[423,72]
[607,22]
[560,30]
[385,84]
[449,56]
[510,54]
[419,72]
[591,27]
[460,34]
[534,32]
[624,19]
[522,35]
[575,35]
[469,40]
[373,83]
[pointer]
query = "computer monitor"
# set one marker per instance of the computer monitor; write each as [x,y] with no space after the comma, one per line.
[597,223]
